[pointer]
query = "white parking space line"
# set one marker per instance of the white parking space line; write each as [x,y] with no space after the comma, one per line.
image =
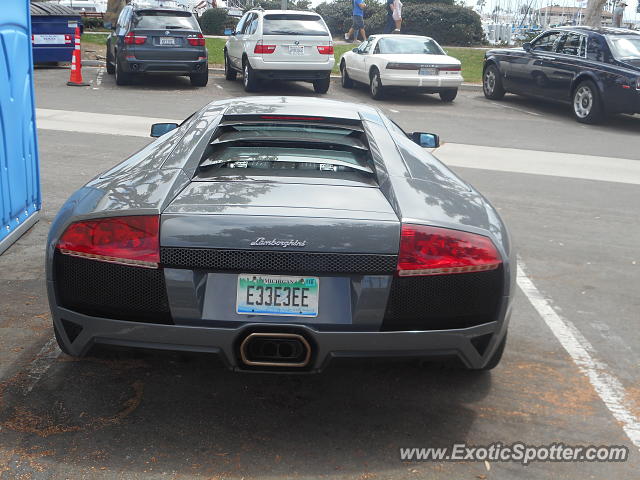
[41,363]
[394,111]
[99,78]
[570,165]
[219,86]
[607,385]
[85,122]
[516,109]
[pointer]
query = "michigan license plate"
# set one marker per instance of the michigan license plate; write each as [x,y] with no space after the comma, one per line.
[167,41]
[427,71]
[277,295]
[296,50]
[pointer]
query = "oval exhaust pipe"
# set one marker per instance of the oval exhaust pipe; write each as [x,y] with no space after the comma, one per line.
[275,350]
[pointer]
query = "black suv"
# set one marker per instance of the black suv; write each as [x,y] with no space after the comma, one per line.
[163,41]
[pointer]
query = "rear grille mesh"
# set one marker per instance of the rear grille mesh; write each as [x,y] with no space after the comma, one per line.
[276,262]
[109,290]
[443,301]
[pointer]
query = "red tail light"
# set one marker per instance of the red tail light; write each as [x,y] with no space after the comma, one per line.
[260,48]
[325,50]
[132,39]
[124,240]
[436,251]
[196,40]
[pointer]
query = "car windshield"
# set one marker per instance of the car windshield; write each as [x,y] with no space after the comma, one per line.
[409,46]
[287,24]
[163,20]
[625,47]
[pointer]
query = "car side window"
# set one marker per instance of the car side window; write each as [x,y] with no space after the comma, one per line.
[596,49]
[572,44]
[252,25]
[366,46]
[241,23]
[547,42]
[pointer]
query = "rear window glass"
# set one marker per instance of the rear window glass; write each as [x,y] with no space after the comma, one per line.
[163,20]
[409,46]
[288,24]
[625,47]
[289,158]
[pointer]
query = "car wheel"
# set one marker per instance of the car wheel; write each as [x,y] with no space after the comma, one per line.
[492,83]
[229,72]
[448,95]
[375,86]
[111,69]
[199,79]
[322,85]
[587,107]
[345,79]
[122,78]
[249,79]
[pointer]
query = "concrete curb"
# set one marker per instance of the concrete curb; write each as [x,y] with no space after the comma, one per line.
[473,87]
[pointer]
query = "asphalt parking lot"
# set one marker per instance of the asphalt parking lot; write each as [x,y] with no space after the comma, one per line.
[569,375]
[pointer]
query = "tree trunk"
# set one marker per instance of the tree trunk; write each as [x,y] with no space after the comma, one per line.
[114,7]
[593,13]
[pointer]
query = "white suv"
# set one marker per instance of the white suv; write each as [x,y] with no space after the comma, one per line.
[280,45]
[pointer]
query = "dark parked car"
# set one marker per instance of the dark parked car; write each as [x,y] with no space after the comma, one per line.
[280,239]
[163,41]
[596,70]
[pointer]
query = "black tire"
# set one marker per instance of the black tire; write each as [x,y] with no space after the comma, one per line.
[322,85]
[199,79]
[492,83]
[448,95]
[111,68]
[345,79]
[586,103]
[249,79]
[61,344]
[229,72]
[122,78]
[495,358]
[376,90]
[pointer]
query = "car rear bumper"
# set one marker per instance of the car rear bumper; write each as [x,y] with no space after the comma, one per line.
[294,75]
[181,67]
[413,80]
[325,345]
[302,68]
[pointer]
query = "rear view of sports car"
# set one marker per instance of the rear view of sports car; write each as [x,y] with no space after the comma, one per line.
[279,233]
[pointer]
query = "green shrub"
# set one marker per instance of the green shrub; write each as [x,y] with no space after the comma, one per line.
[212,21]
[447,24]
[92,23]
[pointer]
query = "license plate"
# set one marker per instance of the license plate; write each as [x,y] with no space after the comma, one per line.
[48,39]
[277,295]
[167,41]
[296,50]
[428,71]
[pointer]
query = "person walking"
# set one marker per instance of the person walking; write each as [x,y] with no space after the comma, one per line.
[358,21]
[390,23]
[618,13]
[397,15]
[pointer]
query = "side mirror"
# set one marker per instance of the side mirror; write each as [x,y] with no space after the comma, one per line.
[108,25]
[159,129]
[355,50]
[526,46]
[426,140]
[233,33]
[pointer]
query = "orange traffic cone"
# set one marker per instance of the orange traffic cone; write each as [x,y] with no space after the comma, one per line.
[76,64]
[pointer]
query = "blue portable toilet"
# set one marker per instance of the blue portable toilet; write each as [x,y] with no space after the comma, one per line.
[20,200]
[52,29]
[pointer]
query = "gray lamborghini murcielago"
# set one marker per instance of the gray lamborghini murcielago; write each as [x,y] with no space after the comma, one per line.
[279,233]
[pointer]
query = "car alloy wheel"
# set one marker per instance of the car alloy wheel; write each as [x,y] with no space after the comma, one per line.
[375,86]
[489,81]
[583,101]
